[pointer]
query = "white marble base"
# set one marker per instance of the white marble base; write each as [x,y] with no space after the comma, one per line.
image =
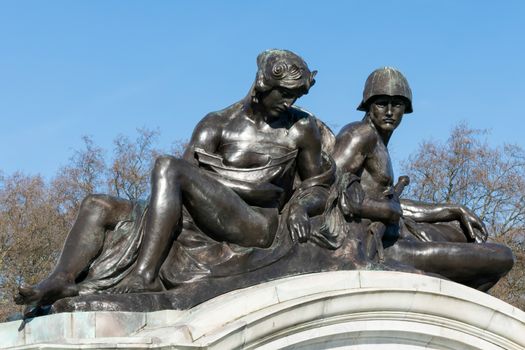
[358,310]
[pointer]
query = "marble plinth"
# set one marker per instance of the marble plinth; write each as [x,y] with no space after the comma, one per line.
[358,310]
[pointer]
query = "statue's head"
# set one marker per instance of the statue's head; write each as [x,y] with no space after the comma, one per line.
[386,81]
[282,69]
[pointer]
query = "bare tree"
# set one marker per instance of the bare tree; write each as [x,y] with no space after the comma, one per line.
[83,175]
[32,229]
[489,180]
[131,166]
[35,215]
[467,171]
[511,288]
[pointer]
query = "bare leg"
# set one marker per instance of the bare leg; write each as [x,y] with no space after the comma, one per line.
[97,213]
[476,265]
[216,209]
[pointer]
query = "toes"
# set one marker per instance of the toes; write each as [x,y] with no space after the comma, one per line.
[44,295]
[30,311]
[25,290]
[25,295]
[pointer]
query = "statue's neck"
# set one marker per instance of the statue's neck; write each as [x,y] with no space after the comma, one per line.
[256,112]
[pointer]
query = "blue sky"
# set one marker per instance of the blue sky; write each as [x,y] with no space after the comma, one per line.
[106,67]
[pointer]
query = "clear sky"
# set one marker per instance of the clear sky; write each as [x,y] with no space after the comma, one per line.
[107,67]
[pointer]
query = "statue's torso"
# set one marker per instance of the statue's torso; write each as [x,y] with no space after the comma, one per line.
[256,153]
[378,174]
[244,144]
[360,150]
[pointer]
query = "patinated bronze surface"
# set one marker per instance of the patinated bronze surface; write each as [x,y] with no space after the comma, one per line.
[251,186]
[417,234]
[257,197]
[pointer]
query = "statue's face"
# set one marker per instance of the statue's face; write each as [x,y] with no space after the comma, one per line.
[387,112]
[277,100]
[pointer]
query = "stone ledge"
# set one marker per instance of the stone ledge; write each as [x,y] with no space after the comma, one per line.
[344,309]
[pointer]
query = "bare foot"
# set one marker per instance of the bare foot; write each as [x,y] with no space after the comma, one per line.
[134,283]
[46,292]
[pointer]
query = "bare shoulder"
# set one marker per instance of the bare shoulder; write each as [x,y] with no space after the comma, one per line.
[210,121]
[219,118]
[352,146]
[215,122]
[357,133]
[305,122]
[208,132]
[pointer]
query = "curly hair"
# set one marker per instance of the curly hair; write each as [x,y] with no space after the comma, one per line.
[282,68]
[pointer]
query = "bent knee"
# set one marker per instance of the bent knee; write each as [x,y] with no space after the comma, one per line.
[97,203]
[505,257]
[104,209]
[168,166]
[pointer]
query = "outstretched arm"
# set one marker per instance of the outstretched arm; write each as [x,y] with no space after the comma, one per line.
[387,210]
[426,212]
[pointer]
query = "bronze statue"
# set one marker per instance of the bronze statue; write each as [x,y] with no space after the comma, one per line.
[233,185]
[253,199]
[414,233]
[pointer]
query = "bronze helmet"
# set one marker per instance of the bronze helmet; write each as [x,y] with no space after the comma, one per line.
[386,81]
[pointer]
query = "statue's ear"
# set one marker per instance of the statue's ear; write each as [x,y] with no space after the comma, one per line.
[312,76]
[259,84]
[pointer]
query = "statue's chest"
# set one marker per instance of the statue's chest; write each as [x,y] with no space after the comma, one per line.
[249,147]
[378,168]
